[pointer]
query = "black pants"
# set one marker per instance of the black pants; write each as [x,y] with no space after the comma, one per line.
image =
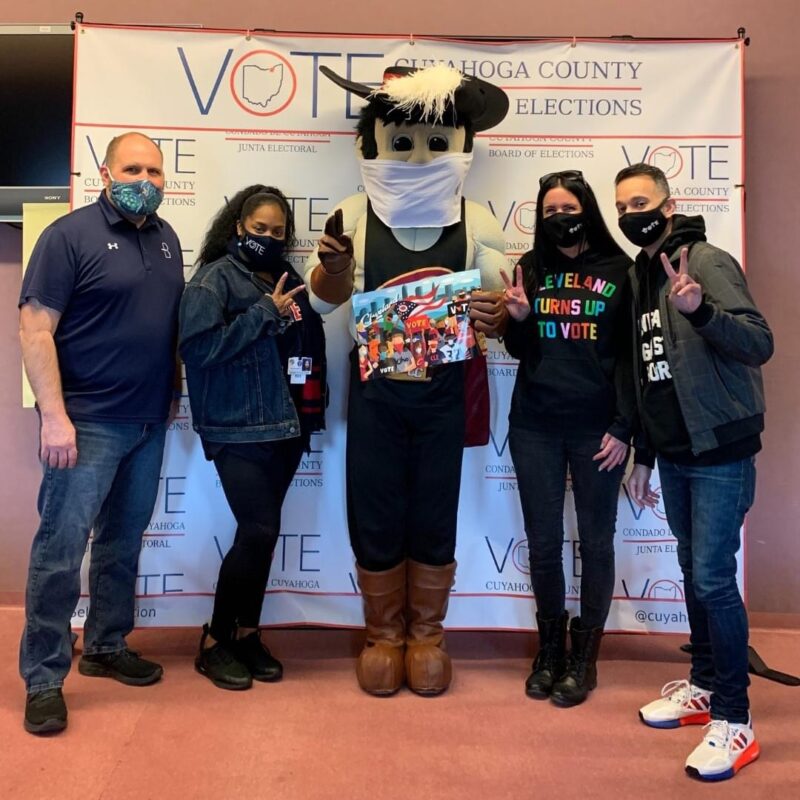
[541,461]
[403,480]
[255,478]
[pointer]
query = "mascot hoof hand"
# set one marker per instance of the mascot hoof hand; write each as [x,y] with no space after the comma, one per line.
[335,249]
[428,669]
[380,669]
[332,279]
[488,313]
[335,264]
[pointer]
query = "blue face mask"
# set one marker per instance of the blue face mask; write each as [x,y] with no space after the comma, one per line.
[263,253]
[137,198]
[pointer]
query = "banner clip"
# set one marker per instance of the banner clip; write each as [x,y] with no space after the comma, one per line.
[574,41]
[411,39]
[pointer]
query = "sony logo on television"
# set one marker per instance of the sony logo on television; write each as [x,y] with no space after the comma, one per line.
[53,196]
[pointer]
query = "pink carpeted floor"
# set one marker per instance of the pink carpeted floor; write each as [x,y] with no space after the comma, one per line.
[316,735]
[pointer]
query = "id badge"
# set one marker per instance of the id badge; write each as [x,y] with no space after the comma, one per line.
[299,369]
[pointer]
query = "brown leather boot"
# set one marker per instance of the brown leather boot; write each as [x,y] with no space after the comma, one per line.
[380,668]
[428,668]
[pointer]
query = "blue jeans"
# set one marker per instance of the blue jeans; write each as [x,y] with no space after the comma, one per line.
[112,489]
[705,509]
[540,461]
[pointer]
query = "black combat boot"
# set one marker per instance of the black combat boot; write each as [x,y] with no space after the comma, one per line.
[549,664]
[580,676]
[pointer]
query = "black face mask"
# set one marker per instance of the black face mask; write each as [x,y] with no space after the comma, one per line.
[644,228]
[565,230]
[262,253]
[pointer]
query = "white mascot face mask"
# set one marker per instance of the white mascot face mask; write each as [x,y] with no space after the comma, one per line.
[407,195]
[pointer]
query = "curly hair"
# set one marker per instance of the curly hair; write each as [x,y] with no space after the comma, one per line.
[237,209]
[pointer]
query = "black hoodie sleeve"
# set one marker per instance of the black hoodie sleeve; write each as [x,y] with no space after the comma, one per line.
[624,421]
[643,453]
[516,337]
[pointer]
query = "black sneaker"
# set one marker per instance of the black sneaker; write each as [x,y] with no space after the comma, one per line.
[45,712]
[255,655]
[222,668]
[125,666]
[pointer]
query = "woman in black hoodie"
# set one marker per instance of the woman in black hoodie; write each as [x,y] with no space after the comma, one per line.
[571,410]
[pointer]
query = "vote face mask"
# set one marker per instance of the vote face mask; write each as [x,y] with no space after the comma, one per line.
[262,253]
[138,198]
[644,228]
[565,230]
[416,195]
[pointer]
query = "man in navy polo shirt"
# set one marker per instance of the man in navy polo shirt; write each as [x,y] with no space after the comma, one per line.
[98,322]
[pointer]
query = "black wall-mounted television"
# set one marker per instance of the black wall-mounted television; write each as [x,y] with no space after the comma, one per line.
[36,66]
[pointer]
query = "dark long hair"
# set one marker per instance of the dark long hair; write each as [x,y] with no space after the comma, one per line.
[596,236]
[239,207]
[375,110]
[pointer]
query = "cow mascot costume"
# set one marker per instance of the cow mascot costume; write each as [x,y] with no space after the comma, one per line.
[405,437]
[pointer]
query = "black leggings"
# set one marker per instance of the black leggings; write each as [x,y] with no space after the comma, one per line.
[541,460]
[255,478]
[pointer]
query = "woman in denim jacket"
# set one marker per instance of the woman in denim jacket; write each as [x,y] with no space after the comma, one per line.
[254,351]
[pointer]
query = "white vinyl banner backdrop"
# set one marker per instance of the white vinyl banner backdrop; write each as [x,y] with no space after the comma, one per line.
[231,108]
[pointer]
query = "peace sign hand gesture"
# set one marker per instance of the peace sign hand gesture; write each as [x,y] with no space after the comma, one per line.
[283,300]
[514,296]
[686,293]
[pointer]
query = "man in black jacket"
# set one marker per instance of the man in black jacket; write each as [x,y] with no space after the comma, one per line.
[700,342]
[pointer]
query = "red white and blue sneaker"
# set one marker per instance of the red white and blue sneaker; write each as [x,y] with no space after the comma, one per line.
[681,703]
[725,749]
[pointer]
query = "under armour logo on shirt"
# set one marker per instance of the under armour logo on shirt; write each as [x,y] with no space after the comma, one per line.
[165,250]
[113,246]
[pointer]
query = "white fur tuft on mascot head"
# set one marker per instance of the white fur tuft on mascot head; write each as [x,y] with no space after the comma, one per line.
[415,139]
